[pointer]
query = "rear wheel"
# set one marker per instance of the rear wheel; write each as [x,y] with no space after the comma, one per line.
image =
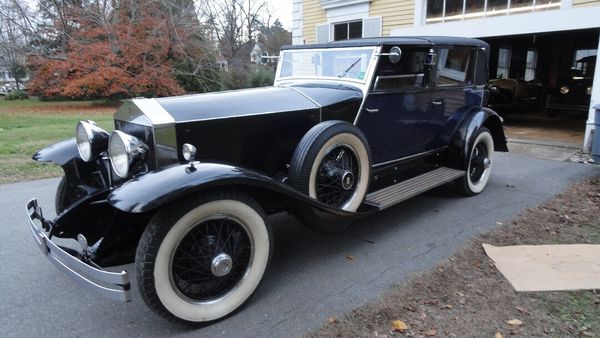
[201,260]
[479,166]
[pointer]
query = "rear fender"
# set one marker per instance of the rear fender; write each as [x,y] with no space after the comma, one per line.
[153,190]
[465,134]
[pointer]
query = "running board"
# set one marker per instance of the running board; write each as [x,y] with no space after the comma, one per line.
[404,190]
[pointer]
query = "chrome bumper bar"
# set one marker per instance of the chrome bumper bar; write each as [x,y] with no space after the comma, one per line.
[109,284]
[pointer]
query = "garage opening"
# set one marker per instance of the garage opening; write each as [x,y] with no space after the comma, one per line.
[542,84]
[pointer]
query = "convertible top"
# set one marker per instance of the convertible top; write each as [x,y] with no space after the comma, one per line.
[396,40]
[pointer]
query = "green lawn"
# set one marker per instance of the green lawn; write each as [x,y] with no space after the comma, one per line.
[29,125]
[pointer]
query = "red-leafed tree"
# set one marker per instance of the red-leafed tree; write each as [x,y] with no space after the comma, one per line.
[114,49]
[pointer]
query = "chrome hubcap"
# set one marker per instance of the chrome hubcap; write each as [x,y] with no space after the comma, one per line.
[487,163]
[347,180]
[221,265]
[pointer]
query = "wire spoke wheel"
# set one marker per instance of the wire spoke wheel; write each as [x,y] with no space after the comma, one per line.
[211,259]
[336,176]
[478,164]
[202,258]
[479,161]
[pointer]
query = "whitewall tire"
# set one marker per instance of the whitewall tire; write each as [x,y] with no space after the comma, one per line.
[202,260]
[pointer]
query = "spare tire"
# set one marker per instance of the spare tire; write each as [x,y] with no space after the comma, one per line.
[332,164]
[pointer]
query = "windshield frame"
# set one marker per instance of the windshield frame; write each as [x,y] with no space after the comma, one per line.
[368,72]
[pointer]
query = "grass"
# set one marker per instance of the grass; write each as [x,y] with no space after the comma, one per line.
[27,126]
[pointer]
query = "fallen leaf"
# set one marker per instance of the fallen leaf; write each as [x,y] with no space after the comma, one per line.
[399,325]
[447,306]
[522,310]
[423,316]
[368,241]
[498,335]
[431,333]
[332,320]
[515,322]
[350,258]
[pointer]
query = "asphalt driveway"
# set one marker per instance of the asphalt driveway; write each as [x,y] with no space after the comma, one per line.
[310,277]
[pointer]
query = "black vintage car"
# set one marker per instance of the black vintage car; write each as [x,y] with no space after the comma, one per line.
[184,185]
[508,95]
[574,92]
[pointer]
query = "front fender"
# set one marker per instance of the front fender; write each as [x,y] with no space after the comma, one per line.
[465,134]
[154,189]
[60,153]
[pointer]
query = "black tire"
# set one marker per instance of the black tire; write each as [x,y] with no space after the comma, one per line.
[332,153]
[192,288]
[479,164]
[65,196]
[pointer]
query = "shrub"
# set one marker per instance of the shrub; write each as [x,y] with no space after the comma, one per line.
[17,94]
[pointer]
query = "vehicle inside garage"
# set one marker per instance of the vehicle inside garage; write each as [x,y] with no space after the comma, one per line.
[542,84]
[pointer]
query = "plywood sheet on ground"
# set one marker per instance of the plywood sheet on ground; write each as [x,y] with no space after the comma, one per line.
[548,267]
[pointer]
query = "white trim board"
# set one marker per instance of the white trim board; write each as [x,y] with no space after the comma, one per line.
[549,21]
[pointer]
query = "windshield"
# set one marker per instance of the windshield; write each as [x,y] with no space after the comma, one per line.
[342,63]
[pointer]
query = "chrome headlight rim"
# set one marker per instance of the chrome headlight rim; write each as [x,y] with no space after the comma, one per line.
[91,140]
[588,90]
[565,90]
[125,152]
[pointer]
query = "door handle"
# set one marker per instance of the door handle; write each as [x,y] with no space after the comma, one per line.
[373,110]
[437,102]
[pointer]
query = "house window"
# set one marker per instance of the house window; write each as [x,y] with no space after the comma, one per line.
[503,63]
[530,64]
[347,30]
[451,10]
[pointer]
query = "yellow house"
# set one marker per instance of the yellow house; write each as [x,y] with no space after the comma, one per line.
[531,40]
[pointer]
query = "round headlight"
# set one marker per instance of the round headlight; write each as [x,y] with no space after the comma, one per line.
[91,140]
[589,90]
[125,151]
[564,89]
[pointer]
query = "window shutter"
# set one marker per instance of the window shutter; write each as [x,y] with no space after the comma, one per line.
[323,33]
[372,28]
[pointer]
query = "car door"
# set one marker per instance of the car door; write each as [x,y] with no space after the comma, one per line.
[395,117]
[455,89]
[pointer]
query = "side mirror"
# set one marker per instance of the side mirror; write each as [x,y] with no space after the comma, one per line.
[394,55]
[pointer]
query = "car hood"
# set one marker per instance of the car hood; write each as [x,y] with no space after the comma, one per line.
[235,103]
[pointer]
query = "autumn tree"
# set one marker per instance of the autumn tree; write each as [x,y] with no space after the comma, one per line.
[124,48]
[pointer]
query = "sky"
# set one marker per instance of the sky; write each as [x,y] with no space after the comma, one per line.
[282,9]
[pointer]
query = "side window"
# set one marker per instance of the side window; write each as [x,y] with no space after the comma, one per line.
[454,66]
[407,74]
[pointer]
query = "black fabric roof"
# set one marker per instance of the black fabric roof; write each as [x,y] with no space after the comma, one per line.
[396,40]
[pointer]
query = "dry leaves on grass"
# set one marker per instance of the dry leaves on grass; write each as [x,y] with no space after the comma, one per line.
[350,258]
[515,322]
[399,325]
[431,333]
[332,320]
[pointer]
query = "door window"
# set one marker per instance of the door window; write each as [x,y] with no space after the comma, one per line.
[454,67]
[407,74]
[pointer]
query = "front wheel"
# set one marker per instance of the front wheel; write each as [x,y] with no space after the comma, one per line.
[200,260]
[479,165]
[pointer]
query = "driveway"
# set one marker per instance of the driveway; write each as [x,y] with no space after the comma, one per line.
[310,278]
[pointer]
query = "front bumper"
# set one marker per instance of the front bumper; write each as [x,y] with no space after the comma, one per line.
[113,285]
